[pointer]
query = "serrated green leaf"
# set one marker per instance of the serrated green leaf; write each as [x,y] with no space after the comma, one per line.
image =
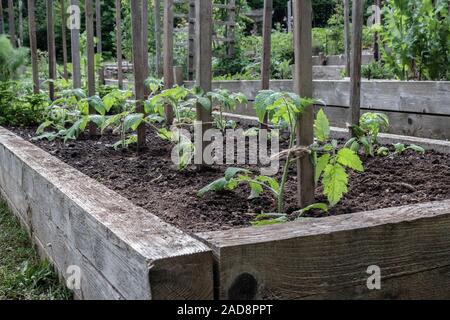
[231,172]
[349,158]
[218,185]
[256,190]
[321,126]
[272,182]
[322,162]
[335,181]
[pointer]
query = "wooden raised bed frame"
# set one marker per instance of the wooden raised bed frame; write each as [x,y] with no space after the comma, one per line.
[126,252]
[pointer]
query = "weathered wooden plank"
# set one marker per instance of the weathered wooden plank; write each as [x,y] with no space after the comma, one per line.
[303,87]
[33,45]
[355,69]
[124,251]
[329,257]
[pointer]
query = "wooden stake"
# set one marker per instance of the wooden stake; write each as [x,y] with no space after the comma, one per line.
[63,38]
[138,61]
[267,45]
[12,24]
[75,52]
[90,48]
[119,43]
[98,28]
[157,13]
[355,70]
[51,49]
[20,40]
[168,54]
[347,36]
[376,40]
[33,45]
[203,56]
[145,43]
[2,20]
[303,86]
[191,41]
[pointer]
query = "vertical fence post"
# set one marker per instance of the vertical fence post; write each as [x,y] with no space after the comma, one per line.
[90,57]
[376,40]
[145,43]
[2,20]
[347,36]
[138,61]
[303,87]
[75,46]
[33,45]
[98,28]
[158,69]
[203,79]
[11,23]
[119,43]
[191,40]
[20,40]
[63,38]
[51,49]
[267,33]
[168,54]
[355,70]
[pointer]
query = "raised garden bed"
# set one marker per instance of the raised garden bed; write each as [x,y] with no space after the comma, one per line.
[312,258]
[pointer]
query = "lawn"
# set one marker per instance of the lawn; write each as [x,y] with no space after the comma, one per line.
[23,276]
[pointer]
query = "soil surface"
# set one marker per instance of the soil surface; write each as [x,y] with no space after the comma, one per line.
[149,180]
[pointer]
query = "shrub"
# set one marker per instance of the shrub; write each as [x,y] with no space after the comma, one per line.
[10,59]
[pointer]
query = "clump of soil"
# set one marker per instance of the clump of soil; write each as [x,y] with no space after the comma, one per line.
[149,180]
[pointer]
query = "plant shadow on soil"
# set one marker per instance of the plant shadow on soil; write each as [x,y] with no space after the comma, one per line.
[149,180]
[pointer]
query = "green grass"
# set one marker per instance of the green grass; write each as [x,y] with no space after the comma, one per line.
[23,276]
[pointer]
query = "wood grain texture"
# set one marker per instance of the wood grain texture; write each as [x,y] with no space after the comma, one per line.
[98,34]
[267,44]
[347,36]
[124,251]
[90,51]
[329,257]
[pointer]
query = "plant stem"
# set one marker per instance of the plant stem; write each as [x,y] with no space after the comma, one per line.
[280,200]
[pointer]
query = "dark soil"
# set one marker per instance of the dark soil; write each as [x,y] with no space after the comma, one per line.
[149,180]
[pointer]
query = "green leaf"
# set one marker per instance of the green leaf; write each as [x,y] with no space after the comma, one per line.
[321,127]
[416,148]
[383,151]
[322,162]
[217,185]
[132,121]
[349,158]
[273,183]
[231,172]
[335,181]
[204,102]
[256,190]
[43,126]
[316,206]
[97,103]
